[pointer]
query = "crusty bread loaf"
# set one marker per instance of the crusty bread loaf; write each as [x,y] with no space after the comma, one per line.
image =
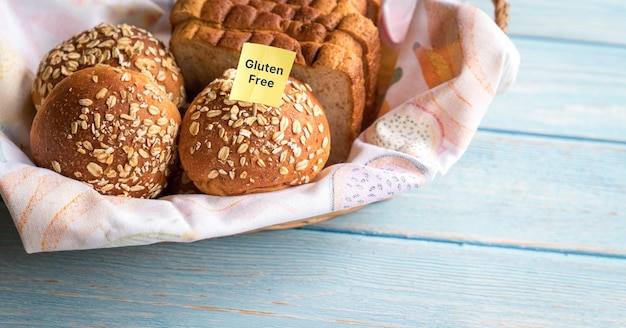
[334,73]
[230,147]
[302,11]
[110,128]
[304,27]
[115,45]
[368,37]
[339,22]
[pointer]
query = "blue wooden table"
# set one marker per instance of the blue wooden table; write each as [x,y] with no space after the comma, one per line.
[536,235]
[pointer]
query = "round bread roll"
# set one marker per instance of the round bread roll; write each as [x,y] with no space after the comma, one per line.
[233,147]
[111,128]
[121,45]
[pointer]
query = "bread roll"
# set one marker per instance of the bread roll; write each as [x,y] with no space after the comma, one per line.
[111,128]
[233,147]
[123,46]
[337,51]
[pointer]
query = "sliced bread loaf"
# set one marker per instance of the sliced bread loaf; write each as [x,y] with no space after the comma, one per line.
[303,10]
[304,21]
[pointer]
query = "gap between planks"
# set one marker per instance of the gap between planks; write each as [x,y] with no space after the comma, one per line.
[551,136]
[462,242]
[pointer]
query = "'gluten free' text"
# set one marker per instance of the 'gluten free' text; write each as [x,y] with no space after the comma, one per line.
[262,73]
[253,79]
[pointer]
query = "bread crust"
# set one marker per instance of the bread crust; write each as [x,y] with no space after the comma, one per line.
[110,128]
[121,45]
[232,147]
[340,22]
[303,11]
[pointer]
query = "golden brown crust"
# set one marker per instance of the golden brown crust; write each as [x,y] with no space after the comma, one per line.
[374,9]
[359,33]
[348,124]
[368,37]
[111,128]
[303,11]
[233,147]
[119,46]
[208,35]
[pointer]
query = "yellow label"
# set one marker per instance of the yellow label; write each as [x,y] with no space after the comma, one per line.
[262,73]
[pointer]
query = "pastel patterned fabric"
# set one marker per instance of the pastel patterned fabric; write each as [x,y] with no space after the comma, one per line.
[451,64]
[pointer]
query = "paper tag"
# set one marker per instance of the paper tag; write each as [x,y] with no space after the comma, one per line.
[262,73]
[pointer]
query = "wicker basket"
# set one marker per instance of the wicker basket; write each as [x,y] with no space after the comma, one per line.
[501,17]
[78,218]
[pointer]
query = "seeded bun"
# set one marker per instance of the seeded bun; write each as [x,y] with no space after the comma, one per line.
[233,147]
[121,45]
[111,128]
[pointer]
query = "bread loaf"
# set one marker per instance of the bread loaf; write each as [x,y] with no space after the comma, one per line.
[110,128]
[123,46]
[231,147]
[342,26]
[303,11]
[316,21]
[338,51]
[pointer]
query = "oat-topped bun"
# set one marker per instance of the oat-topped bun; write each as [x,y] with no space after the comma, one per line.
[115,45]
[111,128]
[232,147]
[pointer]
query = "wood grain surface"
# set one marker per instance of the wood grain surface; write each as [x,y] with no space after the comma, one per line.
[514,190]
[528,229]
[302,278]
[565,89]
[598,21]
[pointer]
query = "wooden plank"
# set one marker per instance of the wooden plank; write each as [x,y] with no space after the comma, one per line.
[513,191]
[568,89]
[595,21]
[306,278]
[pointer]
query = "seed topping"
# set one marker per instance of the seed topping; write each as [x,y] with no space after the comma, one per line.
[115,45]
[262,138]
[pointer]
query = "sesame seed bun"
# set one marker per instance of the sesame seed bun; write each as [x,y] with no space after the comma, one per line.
[233,147]
[110,128]
[122,46]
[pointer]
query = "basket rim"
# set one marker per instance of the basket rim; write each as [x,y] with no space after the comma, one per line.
[501,14]
[501,17]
